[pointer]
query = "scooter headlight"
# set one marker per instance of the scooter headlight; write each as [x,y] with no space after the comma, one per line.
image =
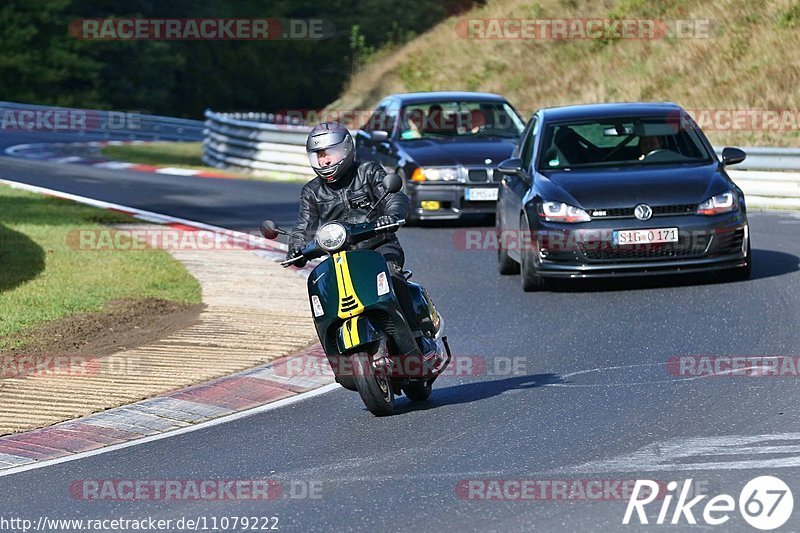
[331,237]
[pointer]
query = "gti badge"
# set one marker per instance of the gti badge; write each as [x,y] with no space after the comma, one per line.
[643,212]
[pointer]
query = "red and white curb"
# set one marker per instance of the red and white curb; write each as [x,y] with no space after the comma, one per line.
[54,153]
[222,400]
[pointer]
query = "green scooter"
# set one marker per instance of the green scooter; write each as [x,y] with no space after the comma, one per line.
[372,347]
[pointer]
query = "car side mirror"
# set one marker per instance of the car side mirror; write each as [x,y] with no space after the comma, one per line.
[392,183]
[510,167]
[379,136]
[732,156]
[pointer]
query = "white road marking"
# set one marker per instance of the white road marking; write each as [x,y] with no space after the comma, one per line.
[145,215]
[676,454]
[177,171]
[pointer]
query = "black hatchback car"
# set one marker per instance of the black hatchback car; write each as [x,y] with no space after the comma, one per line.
[618,190]
[445,146]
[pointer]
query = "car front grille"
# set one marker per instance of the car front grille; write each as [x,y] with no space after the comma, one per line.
[658,211]
[686,247]
[477,175]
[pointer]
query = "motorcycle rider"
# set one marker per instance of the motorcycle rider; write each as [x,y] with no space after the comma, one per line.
[344,190]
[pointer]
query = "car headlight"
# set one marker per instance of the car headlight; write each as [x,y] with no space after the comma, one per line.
[722,203]
[435,174]
[561,212]
[331,236]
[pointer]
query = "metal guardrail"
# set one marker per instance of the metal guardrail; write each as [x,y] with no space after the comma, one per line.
[255,142]
[109,124]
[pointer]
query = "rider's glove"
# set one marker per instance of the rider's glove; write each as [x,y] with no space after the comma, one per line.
[293,252]
[386,220]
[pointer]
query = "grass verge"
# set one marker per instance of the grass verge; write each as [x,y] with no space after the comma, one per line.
[44,277]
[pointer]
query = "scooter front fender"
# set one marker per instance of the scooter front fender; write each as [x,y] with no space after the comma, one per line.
[356,334]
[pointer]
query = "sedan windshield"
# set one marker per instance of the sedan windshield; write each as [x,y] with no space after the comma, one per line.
[435,120]
[625,141]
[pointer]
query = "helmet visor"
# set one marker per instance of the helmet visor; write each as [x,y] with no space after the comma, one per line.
[328,157]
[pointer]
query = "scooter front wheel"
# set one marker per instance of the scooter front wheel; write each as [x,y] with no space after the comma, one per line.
[418,391]
[372,381]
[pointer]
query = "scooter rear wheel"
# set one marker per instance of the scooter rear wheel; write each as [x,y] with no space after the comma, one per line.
[372,383]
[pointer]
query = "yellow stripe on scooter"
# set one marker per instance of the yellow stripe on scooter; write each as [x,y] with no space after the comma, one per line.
[345,285]
[351,337]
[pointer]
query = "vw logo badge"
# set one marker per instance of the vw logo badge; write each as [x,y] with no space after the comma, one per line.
[487,161]
[643,212]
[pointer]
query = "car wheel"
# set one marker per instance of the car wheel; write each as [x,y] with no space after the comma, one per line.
[531,280]
[505,265]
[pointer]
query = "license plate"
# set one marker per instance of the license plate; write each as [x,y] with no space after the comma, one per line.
[644,236]
[479,195]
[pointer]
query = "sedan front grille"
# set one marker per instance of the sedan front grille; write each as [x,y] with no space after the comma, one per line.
[687,246]
[477,175]
[658,211]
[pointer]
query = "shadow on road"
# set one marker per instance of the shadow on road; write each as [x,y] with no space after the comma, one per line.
[479,390]
[770,263]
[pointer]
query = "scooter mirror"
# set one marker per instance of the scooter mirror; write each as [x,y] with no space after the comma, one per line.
[269,230]
[392,182]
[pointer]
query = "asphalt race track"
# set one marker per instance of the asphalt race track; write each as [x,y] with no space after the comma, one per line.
[566,385]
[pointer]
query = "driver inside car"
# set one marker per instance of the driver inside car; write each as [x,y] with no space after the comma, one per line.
[344,190]
[648,143]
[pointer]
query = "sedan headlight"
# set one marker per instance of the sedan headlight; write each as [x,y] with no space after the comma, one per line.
[561,212]
[331,237]
[435,174]
[722,203]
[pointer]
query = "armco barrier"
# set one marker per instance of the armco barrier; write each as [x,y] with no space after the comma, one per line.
[253,142]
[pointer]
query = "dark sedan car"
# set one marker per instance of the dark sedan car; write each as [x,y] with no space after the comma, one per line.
[619,189]
[445,146]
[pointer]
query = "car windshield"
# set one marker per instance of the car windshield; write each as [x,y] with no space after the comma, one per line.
[436,120]
[627,141]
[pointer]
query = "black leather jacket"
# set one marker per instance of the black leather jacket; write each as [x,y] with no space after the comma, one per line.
[347,201]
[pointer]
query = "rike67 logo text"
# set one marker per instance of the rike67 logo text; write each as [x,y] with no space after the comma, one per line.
[765,503]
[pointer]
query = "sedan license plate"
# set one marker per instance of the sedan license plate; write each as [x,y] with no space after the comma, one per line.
[479,195]
[644,236]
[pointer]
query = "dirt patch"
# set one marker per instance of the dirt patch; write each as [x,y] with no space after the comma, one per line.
[121,325]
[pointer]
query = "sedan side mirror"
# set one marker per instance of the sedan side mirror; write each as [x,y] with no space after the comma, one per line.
[392,183]
[732,156]
[379,136]
[510,167]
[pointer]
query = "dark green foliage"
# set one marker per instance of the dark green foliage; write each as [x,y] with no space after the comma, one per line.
[41,62]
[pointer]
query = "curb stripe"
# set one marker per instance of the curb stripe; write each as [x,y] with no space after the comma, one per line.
[215,402]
